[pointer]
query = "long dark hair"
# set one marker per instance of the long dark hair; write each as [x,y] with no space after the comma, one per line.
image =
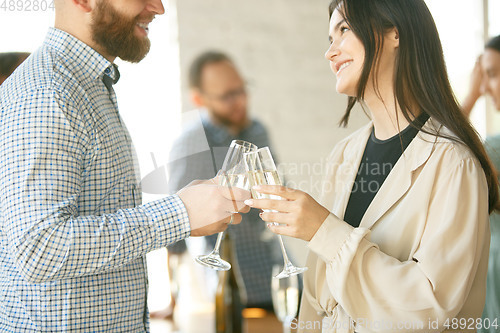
[9,62]
[493,44]
[421,80]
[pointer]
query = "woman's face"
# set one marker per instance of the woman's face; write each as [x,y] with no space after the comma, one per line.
[346,55]
[491,66]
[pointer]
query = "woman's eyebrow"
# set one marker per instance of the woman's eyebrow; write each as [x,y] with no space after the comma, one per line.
[337,26]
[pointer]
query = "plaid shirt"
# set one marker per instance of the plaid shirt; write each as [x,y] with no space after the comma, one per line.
[72,244]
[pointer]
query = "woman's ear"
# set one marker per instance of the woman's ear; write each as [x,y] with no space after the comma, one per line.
[394,36]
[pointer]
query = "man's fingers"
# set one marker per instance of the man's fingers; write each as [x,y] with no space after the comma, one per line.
[244,209]
[234,193]
[230,207]
[233,219]
[215,180]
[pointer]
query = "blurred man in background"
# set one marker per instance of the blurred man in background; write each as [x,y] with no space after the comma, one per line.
[220,95]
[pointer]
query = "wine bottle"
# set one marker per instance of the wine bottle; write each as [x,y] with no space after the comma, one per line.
[230,297]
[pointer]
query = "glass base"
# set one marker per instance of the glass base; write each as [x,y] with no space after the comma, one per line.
[290,270]
[213,261]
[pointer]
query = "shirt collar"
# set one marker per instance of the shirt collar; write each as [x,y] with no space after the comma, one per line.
[219,133]
[80,56]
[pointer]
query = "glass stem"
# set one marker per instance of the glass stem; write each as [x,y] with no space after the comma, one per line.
[285,257]
[287,323]
[217,243]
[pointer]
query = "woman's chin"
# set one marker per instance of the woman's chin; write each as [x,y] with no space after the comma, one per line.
[345,91]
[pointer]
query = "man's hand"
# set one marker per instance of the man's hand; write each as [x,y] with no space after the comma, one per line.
[211,206]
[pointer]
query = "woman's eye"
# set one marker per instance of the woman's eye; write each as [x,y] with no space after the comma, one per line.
[344,29]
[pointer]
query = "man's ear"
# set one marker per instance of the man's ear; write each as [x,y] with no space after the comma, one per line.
[197,97]
[84,5]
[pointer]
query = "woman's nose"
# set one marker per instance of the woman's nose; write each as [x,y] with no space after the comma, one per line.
[332,51]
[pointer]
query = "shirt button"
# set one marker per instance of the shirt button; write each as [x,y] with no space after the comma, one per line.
[107,71]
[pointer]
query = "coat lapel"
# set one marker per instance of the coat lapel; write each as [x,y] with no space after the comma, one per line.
[400,178]
[340,178]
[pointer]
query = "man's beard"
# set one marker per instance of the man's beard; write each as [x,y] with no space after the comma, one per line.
[115,33]
[228,122]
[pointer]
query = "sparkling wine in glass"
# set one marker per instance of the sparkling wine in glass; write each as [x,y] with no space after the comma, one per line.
[285,295]
[232,174]
[262,171]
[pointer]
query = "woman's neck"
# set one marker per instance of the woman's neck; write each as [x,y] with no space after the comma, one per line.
[388,120]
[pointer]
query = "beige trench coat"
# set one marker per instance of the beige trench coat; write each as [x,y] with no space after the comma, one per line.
[418,260]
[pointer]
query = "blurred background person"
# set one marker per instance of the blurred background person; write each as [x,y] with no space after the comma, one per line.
[485,79]
[219,93]
[9,62]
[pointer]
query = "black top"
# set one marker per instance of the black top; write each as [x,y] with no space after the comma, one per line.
[379,158]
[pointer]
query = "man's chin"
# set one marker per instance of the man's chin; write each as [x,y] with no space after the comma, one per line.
[241,123]
[136,54]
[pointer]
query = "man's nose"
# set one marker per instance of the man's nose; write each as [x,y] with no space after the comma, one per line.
[156,6]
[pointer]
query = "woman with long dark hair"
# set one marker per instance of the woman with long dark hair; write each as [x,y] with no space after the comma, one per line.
[400,239]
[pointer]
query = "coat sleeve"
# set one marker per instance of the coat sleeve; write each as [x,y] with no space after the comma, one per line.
[373,287]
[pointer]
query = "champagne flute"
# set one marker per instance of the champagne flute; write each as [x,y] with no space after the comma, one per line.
[285,295]
[262,171]
[232,174]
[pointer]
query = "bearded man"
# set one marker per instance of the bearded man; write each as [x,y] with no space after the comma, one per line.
[73,233]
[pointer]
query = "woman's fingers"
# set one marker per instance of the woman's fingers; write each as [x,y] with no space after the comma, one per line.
[282,191]
[270,204]
[277,217]
[281,229]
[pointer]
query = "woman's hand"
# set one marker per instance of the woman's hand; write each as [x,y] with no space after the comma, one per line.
[299,214]
[475,87]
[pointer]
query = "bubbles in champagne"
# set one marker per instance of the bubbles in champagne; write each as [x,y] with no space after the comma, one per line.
[263,178]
